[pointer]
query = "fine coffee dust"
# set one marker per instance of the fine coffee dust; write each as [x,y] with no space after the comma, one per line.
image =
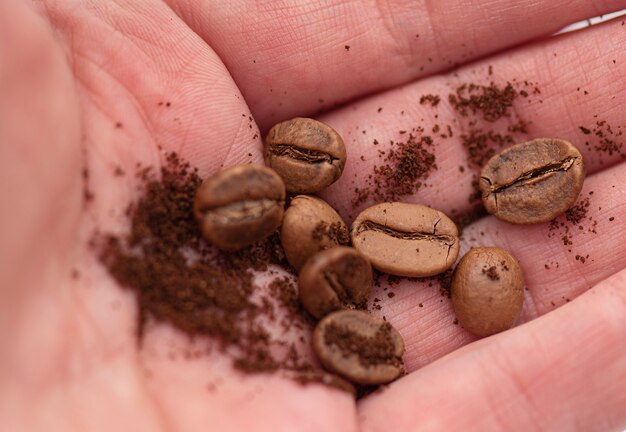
[608,139]
[178,279]
[404,169]
[491,272]
[575,219]
[487,104]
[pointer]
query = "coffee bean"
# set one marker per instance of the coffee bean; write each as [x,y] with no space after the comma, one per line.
[240,206]
[307,154]
[310,225]
[532,182]
[487,290]
[406,239]
[334,279]
[359,347]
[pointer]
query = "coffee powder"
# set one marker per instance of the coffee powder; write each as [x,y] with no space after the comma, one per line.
[179,279]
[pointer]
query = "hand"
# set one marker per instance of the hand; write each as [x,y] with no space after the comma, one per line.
[89,87]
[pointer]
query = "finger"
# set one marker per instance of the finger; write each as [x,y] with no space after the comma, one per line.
[564,371]
[39,182]
[572,81]
[298,59]
[153,85]
[555,273]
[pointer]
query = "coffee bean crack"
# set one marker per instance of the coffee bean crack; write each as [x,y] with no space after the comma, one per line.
[533,176]
[240,211]
[343,295]
[413,235]
[298,153]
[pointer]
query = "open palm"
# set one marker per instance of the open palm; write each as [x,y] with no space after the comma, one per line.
[91,88]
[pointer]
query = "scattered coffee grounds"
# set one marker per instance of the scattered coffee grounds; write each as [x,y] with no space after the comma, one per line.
[378,349]
[491,272]
[577,218]
[462,220]
[405,166]
[445,282]
[87,193]
[336,232]
[607,139]
[581,258]
[486,104]
[432,99]
[492,101]
[483,145]
[181,280]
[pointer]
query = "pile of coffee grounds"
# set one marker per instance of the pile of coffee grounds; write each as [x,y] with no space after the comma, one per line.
[179,279]
[336,232]
[607,139]
[375,350]
[405,167]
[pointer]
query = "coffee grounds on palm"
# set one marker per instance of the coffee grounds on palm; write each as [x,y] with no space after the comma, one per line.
[574,218]
[489,104]
[179,279]
[405,167]
[607,139]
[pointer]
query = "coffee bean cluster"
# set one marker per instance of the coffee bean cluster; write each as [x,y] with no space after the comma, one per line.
[528,183]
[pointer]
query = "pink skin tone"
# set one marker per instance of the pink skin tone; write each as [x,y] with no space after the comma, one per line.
[104,84]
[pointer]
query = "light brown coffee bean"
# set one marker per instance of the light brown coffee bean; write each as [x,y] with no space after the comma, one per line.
[359,347]
[334,279]
[310,225]
[487,291]
[406,239]
[532,182]
[240,206]
[307,154]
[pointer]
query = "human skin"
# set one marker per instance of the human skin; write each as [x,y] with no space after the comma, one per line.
[99,85]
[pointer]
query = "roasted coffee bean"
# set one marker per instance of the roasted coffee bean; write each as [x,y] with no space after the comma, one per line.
[532,182]
[406,239]
[307,154]
[240,206]
[487,291]
[359,347]
[334,279]
[310,225]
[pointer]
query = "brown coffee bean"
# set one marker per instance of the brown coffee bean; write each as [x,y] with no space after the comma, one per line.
[334,279]
[532,182]
[406,239]
[240,206]
[359,347]
[307,154]
[310,225]
[487,291]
